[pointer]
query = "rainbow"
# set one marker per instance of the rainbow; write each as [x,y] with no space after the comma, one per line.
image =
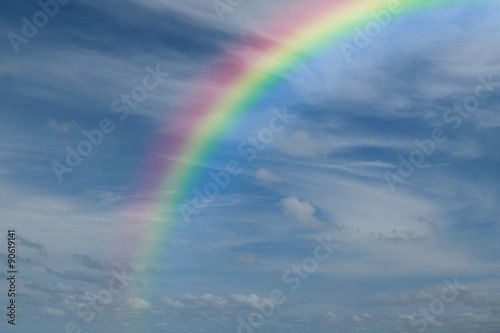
[235,83]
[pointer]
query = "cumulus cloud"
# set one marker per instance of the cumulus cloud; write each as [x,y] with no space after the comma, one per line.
[464,322]
[475,299]
[360,317]
[356,318]
[61,127]
[65,288]
[174,303]
[52,311]
[303,211]
[333,317]
[247,259]
[251,300]
[467,297]
[399,298]
[190,301]
[138,304]
[267,176]
[205,299]
[301,144]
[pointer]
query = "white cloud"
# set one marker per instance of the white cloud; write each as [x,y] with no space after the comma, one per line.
[333,317]
[174,303]
[301,144]
[52,311]
[191,300]
[63,126]
[247,259]
[303,212]
[65,288]
[251,300]
[267,176]
[212,299]
[138,304]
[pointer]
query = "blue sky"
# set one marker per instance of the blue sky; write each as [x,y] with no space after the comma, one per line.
[401,242]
